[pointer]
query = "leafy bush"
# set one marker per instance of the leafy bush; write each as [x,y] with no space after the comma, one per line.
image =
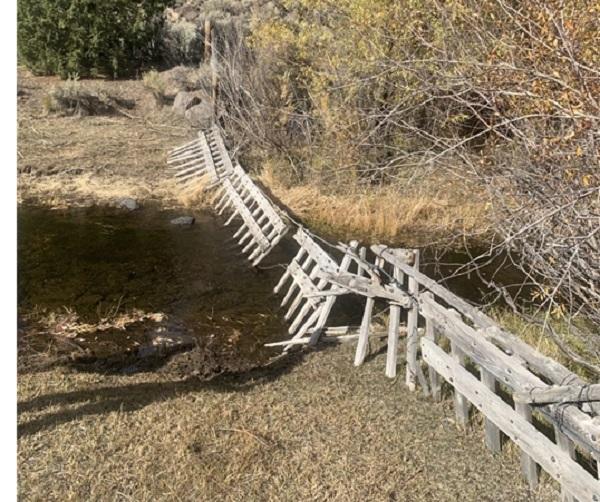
[111,38]
[183,43]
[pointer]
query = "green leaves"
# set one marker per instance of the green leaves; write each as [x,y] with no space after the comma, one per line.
[111,38]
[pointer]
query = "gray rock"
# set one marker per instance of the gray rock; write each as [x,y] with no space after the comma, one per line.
[184,101]
[127,203]
[183,220]
[200,115]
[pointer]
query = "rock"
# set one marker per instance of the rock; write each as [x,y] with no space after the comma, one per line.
[183,220]
[184,101]
[189,13]
[200,115]
[127,203]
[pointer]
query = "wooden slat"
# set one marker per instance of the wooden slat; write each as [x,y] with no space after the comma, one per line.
[246,216]
[560,394]
[508,370]
[412,338]
[549,455]
[541,364]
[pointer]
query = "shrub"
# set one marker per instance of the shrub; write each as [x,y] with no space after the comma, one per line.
[155,84]
[182,43]
[71,98]
[111,38]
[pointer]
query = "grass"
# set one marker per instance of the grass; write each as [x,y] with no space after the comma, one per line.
[312,428]
[74,160]
[396,215]
[534,335]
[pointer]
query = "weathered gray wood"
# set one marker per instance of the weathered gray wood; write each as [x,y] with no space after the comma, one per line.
[543,365]
[329,302]
[412,337]
[364,286]
[528,466]
[391,361]
[549,455]
[189,154]
[508,370]
[461,404]
[560,394]
[492,434]
[304,283]
[246,216]
[183,147]
[274,242]
[192,147]
[567,446]
[434,379]
[363,338]
[219,148]
[286,275]
[393,336]
[325,262]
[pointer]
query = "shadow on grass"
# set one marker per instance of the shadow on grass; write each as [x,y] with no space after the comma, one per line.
[135,396]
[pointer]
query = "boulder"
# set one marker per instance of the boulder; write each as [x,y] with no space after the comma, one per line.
[127,203]
[200,115]
[184,101]
[183,220]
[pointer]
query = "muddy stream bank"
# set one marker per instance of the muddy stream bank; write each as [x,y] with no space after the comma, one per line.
[98,284]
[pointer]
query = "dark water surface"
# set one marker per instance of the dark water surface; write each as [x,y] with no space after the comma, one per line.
[98,261]
[95,260]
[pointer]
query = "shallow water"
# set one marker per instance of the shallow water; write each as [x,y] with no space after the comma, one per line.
[96,260]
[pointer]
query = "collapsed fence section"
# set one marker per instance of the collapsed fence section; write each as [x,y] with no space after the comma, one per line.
[450,345]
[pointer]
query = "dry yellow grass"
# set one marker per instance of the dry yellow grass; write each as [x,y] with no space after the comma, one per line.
[390,214]
[310,429]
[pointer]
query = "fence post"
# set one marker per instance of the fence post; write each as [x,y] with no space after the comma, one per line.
[568,447]
[365,325]
[461,404]
[393,335]
[434,378]
[492,433]
[528,465]
[412,336]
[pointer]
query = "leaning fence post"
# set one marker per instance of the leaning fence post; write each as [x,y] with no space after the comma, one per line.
[365,325]
[344,265]
[412,337]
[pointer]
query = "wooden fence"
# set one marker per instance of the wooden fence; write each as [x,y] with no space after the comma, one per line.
[450,345]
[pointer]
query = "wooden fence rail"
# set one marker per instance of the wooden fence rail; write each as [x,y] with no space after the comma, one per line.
[523,395]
